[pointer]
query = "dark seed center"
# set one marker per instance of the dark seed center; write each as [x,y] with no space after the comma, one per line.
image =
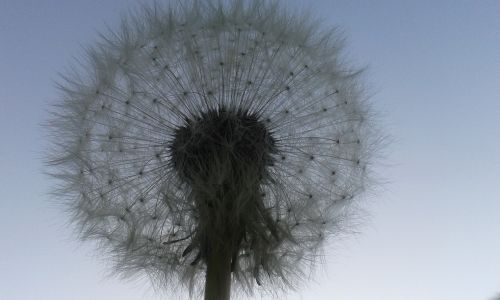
[222,143]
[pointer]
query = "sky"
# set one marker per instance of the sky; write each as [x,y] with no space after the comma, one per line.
[433,230]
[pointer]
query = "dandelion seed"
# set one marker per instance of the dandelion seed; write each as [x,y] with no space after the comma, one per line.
[218,165]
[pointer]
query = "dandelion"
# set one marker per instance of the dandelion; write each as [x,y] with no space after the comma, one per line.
[213,143]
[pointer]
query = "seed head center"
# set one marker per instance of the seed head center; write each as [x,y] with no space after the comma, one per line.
[224,144]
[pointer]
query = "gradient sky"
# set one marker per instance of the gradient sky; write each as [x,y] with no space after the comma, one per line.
[434,229]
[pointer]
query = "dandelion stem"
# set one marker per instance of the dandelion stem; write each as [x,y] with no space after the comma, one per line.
[218,276]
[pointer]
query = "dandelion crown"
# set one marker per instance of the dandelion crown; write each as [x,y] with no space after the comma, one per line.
[213,128]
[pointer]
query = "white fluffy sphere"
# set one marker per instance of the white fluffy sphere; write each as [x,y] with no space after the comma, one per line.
[123,175]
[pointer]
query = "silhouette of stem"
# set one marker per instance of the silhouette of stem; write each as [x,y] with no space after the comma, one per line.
[218,276]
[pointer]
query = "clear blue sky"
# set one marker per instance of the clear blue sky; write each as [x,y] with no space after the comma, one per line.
[434,231]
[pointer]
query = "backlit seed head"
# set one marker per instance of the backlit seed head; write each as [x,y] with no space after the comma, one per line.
[213,124]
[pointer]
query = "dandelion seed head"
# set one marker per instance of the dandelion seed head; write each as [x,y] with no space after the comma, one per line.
[232,124]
